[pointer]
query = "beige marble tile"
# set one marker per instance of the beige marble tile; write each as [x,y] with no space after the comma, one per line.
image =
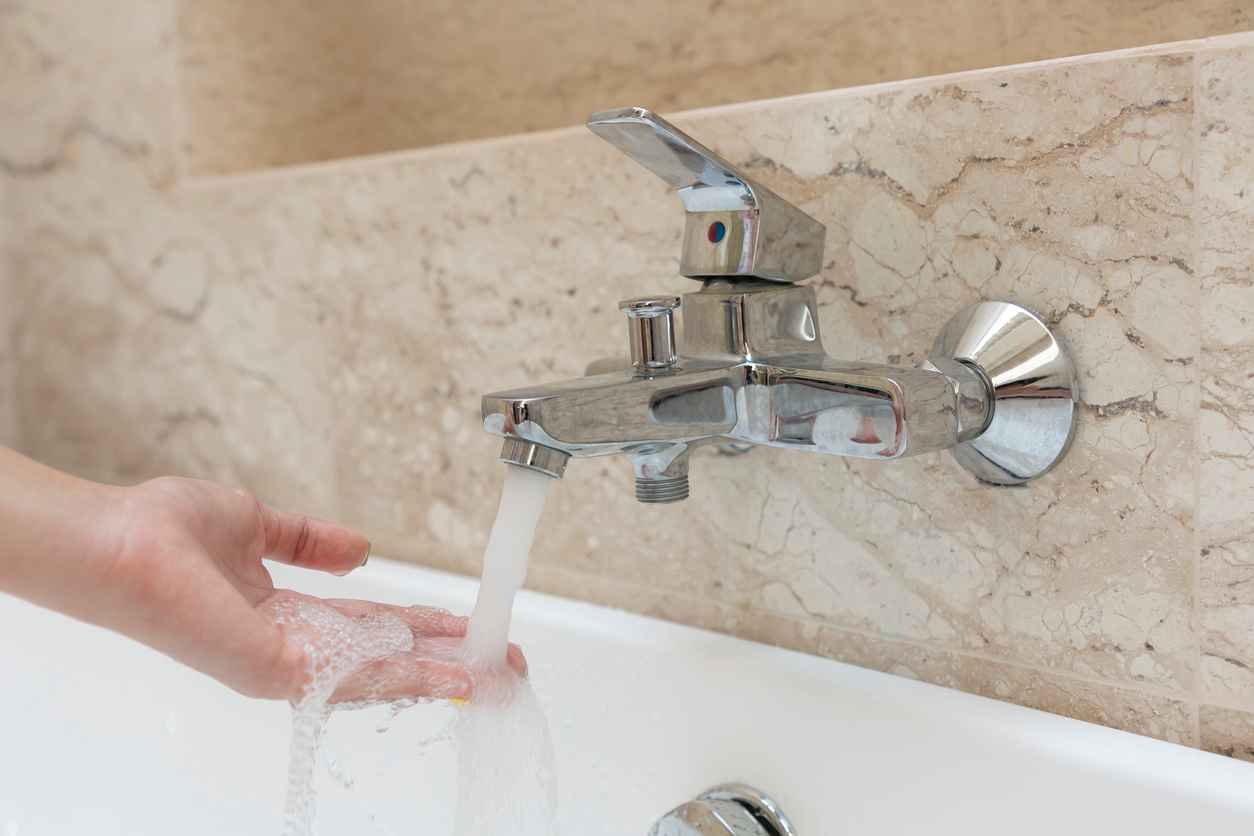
[1060,208]
[8,366]
[419,340]
[322,336]
[1224,225]
[76,77]
[1064,207]
[83,184]
[1068,207]
[135,355]
[8,321]
[292,81]
[1227,732]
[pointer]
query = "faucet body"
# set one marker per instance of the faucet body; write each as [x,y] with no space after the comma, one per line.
[997,389]
[753,369]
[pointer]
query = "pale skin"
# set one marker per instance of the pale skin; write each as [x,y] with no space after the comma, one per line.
[177,564]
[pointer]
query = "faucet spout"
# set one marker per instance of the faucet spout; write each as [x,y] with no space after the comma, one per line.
[546,460]
[626,411]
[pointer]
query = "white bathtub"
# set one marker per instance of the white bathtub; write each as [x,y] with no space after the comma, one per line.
[100,736]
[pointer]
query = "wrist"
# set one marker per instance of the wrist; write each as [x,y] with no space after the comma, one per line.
[106,513]
[60,530]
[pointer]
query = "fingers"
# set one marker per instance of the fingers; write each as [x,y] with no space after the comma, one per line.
[315,544]
[432,667]
[425,622]
[415,675]
[406,676]
[514,657]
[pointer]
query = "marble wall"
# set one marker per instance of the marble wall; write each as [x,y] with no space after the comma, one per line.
[322,335]
[8,302]
[8,370]
[1225,525]
[290,81]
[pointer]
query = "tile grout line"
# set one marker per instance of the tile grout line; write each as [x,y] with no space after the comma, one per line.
[362,162]
[1200,366]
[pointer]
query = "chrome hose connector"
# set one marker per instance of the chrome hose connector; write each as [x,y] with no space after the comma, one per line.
[665,489]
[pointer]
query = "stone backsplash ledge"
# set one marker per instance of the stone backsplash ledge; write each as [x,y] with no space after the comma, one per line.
[322,336]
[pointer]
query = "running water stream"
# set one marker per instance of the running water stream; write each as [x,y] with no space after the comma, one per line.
[505,780]
[505,776]
[505,564]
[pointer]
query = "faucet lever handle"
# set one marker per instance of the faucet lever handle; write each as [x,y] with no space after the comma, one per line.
[734,226]
[674,156]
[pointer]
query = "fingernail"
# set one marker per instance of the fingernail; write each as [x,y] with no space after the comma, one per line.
[515,654]
[364,561]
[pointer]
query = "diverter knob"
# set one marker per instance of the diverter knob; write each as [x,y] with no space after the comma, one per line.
[651,331]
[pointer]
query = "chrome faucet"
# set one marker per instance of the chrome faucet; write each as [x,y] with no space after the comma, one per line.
[998,390]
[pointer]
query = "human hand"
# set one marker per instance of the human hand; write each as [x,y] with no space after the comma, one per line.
[187,578]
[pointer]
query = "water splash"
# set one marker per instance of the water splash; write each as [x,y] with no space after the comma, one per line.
[505,778]
[394,710]
[336,646]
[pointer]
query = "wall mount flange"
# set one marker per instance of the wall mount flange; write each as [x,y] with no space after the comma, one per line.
[1033,386]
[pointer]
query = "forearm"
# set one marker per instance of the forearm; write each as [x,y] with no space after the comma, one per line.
[58,534]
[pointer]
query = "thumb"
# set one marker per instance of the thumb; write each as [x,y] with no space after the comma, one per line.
[314,544]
